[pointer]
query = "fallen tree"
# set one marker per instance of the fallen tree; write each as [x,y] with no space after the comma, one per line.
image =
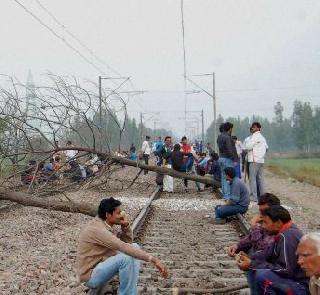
[141,165]
[85,208]
[64,206]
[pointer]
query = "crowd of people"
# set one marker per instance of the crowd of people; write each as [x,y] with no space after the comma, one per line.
[234,163]
[62,165]
[276,256]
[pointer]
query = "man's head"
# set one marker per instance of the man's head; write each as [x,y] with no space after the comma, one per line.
[221,127]
[147,138]
[267,200]
[109,211]
[176,147]
[214,156]
[159,138]
[69,142]
[308,252]
[255,126]
[167,140]
[184,140]
[227,127]
[274,217]
[208,144]
[230,173]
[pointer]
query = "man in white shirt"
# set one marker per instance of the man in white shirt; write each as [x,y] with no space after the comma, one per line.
[72,153]
[146,151]
[256,146]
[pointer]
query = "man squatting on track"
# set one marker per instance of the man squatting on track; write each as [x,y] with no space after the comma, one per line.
[102,254]
[275,269]
[258,239]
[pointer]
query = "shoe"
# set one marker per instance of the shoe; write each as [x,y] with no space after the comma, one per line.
[93,292]
[217,221]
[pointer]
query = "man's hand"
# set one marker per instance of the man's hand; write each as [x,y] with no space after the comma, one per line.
[256,219]
[160,266]
[124,219]
[244,261]
[232,250]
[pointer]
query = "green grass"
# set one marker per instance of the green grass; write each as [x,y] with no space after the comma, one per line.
[304,170]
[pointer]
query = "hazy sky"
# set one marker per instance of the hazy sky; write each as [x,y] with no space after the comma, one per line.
[262,51]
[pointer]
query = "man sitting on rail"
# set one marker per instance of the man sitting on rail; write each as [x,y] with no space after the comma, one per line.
[258,239]
[277,271]
[239,198]
[102,254]
[309,259]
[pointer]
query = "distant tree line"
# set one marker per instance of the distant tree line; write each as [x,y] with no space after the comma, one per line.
[298,132]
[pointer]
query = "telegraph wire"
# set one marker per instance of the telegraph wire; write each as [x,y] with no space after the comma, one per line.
[61,38]
[76,38]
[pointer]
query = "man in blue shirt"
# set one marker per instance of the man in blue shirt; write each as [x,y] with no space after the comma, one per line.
[239,198]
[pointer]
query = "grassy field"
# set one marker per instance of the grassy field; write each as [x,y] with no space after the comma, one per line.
[304,170]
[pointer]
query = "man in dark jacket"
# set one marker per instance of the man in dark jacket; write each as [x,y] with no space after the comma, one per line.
[278,271]
[228,156]
[179,162]
[258,239]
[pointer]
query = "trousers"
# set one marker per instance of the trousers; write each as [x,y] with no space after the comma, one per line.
[126,266]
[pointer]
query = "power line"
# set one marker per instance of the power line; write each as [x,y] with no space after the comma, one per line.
[184,60]
[61,38]
[76,38]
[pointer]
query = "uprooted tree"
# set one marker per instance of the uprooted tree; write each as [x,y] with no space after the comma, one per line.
[33,121]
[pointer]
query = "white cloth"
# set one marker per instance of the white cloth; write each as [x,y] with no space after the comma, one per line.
[256,145]
[146,148]
[70,154]
[238,147]
[168,182]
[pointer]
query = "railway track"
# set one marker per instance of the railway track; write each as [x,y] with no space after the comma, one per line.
[174,228]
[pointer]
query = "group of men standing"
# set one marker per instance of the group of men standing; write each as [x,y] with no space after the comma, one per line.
[254,148]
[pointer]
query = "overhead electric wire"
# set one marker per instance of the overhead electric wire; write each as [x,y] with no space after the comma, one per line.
[82,44]
[184,60]
[61,38]
[68,43]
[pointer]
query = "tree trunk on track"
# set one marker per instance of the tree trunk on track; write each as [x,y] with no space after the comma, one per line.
[141,165]
[84,208]
[65,206]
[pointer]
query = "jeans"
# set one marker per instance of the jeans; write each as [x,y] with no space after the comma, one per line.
[278,285]
[251,282]
[256,180]
[238,170]
[187,166]
[126,266]
[224,163]
[223,211]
